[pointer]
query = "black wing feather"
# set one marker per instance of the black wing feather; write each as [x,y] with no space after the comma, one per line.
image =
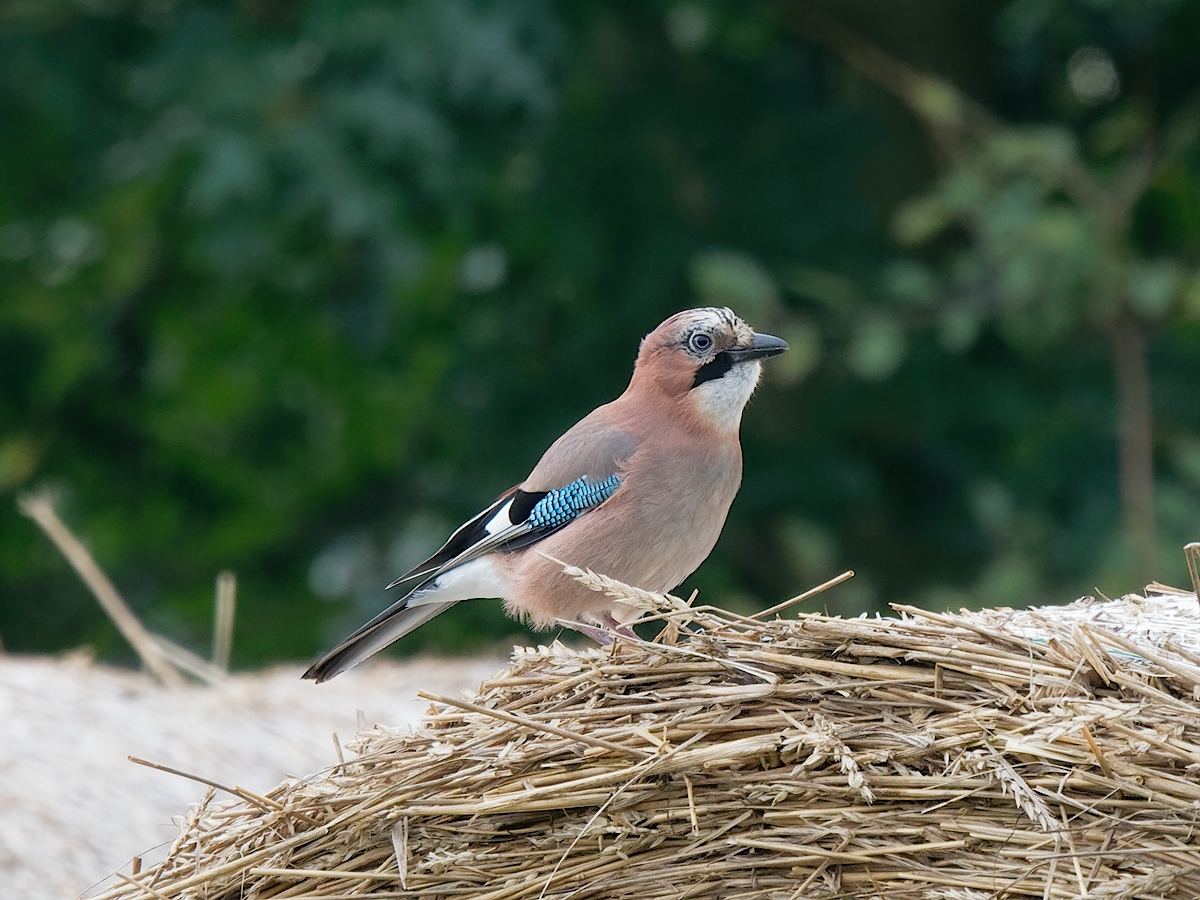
[523,504]
[467,535]
[470,541]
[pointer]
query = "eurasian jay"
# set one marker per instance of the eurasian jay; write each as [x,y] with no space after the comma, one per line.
[638,490]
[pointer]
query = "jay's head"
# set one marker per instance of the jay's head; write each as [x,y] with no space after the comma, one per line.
[708,357]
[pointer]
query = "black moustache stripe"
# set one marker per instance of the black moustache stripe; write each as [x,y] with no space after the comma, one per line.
[720,364]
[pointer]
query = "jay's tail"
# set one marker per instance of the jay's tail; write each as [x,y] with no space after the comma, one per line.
[390,625]
[434,594]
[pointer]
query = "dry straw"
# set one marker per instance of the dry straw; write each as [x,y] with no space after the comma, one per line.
[998,754]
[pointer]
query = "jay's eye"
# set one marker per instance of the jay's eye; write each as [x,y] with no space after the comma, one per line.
[700,342]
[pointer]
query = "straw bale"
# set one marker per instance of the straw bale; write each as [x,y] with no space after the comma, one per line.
[1048,754]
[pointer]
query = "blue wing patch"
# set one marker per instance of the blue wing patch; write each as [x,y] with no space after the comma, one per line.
[516,520]
[563,504]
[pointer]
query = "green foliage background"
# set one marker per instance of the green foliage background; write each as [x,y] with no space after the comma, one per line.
[290,288]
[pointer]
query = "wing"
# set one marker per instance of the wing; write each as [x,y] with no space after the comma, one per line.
[516,521]
[538,514]
[596,447]
[586,456]
[465,536]
[519,517]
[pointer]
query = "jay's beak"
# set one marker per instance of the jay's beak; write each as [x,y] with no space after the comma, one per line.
[761,347]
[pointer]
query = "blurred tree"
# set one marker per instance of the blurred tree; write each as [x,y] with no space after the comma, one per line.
[290,288]
[1067,226]
[207,341]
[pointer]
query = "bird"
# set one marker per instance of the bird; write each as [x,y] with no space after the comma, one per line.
[637,490]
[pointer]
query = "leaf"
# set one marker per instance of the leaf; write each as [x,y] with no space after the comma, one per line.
[877,348]
[18,461]
[803,356]
[833,290]
[938,101]
[920,219]
[910,282]
[1042,151]
[1153,285]
[1191,296]
[729,278]
[958,327]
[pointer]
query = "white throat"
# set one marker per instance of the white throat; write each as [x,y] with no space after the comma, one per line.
[722,400]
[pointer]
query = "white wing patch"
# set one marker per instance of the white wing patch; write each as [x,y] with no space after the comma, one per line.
[499,521]
[471,580]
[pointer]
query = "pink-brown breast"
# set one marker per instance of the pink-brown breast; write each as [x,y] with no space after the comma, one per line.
[656,530]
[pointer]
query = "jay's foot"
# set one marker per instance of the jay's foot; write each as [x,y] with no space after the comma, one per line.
[605,634]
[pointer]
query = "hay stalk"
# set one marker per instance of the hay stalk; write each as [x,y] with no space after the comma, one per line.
[1046,754]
